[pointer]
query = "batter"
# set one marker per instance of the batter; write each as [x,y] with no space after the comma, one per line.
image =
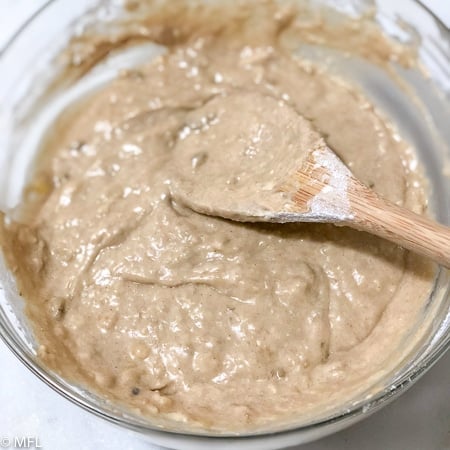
[220,325]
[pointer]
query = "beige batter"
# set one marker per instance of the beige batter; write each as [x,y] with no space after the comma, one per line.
[222,325]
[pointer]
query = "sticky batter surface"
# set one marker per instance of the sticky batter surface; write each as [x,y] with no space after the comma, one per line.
[222,325]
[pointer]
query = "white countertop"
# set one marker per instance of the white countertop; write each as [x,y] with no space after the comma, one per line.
[418,420]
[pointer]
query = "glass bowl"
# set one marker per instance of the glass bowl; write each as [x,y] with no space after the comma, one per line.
[26,109]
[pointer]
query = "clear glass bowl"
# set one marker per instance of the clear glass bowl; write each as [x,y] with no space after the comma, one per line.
[26,71]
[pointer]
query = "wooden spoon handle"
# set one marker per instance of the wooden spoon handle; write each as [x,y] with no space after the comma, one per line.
[410,230]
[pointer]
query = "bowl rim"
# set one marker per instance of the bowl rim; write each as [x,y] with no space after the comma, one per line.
[362,408]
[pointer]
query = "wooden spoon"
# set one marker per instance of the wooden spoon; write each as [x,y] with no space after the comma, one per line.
[277,168]
[323,189]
